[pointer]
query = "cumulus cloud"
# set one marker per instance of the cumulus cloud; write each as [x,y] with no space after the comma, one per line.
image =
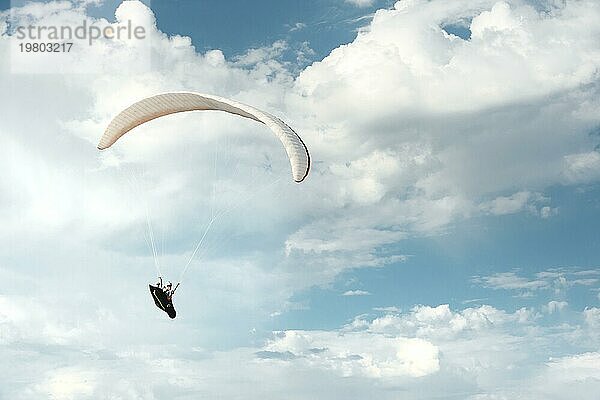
[441,321]
[481,350]
[446,144]
[351,354]
[412,130]
[476,348]
[582,366]
[423,128]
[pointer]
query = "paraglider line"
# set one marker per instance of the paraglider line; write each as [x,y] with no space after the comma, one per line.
[154,251]
[212,221]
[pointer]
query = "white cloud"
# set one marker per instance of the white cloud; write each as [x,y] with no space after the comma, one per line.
[356,293]
[571,374]
[389,309]
[297,26]
[512,204]
[67,383]
[388,163]
[59,186]
[510,280]
[441,321]
[350,354]
[581,366]
[379,175]
[483,351]
[557,280]
[361,3]
[592,317]
[582,167]
[262,55]
[411,130]
[423,129]
[547,212]
[555,306]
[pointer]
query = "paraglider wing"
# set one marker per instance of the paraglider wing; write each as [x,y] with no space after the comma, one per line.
[171,103]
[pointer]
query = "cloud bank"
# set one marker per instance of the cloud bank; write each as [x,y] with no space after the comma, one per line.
[412,130]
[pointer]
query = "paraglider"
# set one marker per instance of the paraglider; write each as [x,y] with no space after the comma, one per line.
[175,102]
[163,297]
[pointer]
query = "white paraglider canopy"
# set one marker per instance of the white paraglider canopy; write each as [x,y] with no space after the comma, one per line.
[170,103]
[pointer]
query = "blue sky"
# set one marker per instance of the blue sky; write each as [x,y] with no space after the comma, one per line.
[235,27]
[444,245]
[440,269]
